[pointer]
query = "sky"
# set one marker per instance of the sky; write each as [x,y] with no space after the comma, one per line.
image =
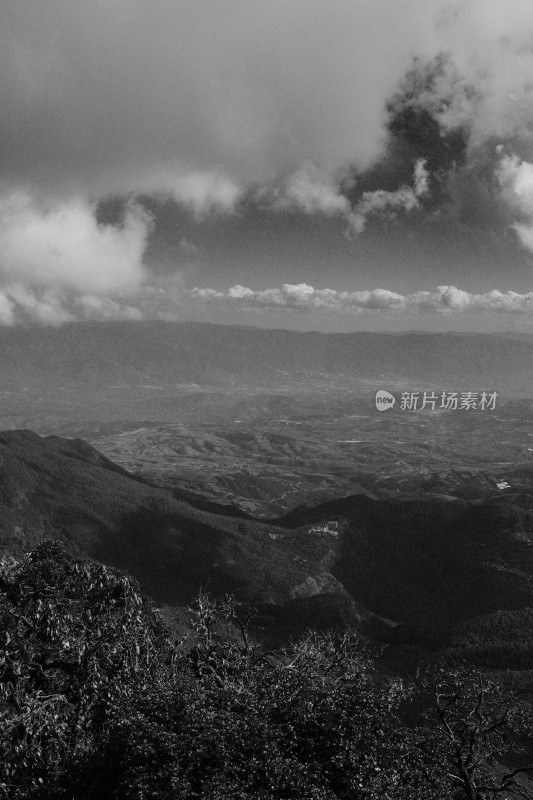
[329,165]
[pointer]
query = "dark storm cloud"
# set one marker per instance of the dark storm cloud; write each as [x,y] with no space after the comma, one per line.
[431,118]
[467,124]
[415,131]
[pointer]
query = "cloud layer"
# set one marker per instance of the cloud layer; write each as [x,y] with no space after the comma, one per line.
[445,299]
[203,99]
[105,96]
[170,301]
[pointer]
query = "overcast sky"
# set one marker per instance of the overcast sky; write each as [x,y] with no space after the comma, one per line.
[332,164]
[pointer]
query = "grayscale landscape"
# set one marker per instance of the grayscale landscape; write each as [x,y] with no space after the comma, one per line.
[266,400]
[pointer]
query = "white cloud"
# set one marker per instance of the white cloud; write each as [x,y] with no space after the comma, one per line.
[516,182]
[44,307]
[63,247]
[91,307]
[172,302]
[202,192]
[490,44]
[445,299]
[57,264]
[7,315]
[382,203]
[308,191]
[22,305]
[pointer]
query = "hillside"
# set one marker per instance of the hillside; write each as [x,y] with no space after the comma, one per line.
[51,487]
[429,562]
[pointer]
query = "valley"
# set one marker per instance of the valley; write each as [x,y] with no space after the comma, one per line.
[268,465]
[287,488]
[266,452]
[266,420]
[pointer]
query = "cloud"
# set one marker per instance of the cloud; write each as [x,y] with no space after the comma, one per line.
[453,107]
[22,305]
[170,301]
[515,178]
[201,100]
[91,307]
[101,98]
[311,193]
[384,203]
[7,315]
[48,306]
[202,193]
[308,191]
[57,264]
[44,307]
[445,299]
[492,54]
[62,246]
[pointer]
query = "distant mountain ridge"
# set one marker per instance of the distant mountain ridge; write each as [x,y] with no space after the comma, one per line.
[132,353]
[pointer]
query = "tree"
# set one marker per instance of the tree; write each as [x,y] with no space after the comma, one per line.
[478,724]
[313,722]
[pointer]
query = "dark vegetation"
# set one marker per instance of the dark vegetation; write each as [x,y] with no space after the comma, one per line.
[100,700]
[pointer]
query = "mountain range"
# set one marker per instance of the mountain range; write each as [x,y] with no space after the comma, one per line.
[132,353]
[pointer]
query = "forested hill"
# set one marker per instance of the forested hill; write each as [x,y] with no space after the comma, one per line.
[426,562]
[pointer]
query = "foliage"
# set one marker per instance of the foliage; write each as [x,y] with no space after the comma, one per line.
[75,640]
[234,721]
[99,701]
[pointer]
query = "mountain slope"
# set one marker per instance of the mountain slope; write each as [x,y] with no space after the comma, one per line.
[430,562]
[64,489]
